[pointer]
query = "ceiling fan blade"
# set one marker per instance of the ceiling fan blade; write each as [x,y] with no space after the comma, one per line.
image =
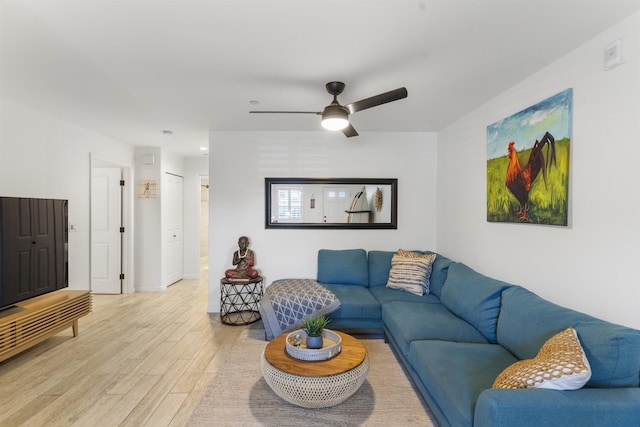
[286,112]
[383,98]
[349,131]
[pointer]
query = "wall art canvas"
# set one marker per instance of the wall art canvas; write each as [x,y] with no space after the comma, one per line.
[528,164]
[147,189]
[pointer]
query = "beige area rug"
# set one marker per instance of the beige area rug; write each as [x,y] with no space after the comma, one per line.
[239,396]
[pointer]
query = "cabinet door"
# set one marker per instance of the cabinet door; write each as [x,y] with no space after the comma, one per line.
[32,264]
[43,257]
[17,243]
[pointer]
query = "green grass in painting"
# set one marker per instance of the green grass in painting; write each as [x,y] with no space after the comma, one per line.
[548,203]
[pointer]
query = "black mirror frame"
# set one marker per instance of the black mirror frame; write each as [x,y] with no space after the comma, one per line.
[393,182]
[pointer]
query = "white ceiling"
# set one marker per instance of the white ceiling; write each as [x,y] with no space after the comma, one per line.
[131,68]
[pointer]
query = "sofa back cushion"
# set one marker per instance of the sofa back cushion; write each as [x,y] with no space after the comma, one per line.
[527,321]
[474,298]
[439,271]
[343,267]
[380,265]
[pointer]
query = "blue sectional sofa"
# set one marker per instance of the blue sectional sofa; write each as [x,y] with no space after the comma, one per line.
[457,339]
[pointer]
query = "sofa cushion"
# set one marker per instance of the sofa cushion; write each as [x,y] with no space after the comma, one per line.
[612,407]
[456,373]
[473,297]
[410,272]
[439,273]
[356,302]
[380,265]
[409,321]
[559,365]
[527,321]
[385,295]
[345,267]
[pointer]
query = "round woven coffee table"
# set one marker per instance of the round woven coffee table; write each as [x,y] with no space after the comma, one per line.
[315,384]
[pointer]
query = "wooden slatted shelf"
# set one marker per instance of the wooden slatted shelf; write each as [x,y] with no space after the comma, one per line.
[36,319]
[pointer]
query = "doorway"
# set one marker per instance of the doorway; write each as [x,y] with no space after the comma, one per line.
[204,217]
[204,223]
[174,228]
[336,202]
[109,233]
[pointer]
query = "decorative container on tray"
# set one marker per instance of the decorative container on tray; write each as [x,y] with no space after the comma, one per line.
[331,347]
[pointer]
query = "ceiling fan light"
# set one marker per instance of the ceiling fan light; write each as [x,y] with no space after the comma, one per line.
[334,117]
[335,123]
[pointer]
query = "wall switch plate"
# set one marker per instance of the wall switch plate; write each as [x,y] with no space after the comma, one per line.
[613,54]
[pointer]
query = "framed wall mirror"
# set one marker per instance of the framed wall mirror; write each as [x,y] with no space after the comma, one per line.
[368,203]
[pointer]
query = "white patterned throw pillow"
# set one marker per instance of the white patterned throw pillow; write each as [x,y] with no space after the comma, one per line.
[559,365]
[410,272]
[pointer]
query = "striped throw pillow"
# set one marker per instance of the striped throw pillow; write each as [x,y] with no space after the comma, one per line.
[410,272]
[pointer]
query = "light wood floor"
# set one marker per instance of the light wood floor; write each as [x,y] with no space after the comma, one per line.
[141,359]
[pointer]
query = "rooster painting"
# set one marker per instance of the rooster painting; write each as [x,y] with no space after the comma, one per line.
[528,156]
[519,180]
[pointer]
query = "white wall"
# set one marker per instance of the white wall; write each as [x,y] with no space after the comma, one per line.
[41,156]
[148,238]
[239,162]
[591,264]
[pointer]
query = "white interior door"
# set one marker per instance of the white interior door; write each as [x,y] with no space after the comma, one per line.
[174,229]
[106,220]
[336,202]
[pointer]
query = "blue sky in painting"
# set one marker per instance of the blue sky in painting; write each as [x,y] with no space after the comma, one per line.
[552,115]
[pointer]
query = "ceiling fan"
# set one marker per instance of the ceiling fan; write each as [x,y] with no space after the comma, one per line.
[336,116]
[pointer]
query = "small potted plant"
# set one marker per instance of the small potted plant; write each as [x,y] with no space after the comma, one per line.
[314,326]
